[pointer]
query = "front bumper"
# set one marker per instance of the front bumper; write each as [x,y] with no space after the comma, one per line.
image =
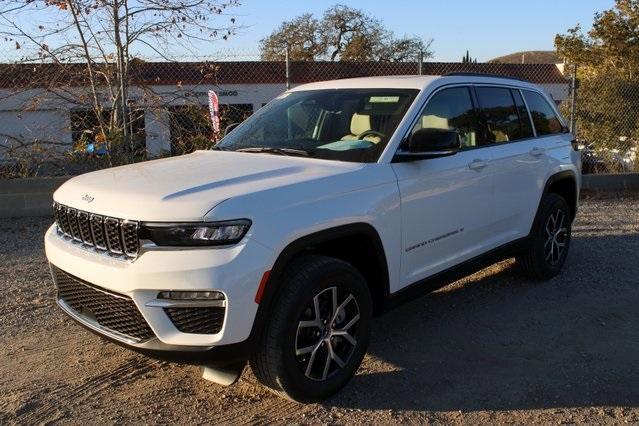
[219,355]
[235,271]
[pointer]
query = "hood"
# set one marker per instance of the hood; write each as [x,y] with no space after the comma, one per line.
[185,188]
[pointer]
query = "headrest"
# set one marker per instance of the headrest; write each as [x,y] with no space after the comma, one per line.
[360,123]
[434,122]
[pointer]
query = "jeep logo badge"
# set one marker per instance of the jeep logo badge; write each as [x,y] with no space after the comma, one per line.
[87,198]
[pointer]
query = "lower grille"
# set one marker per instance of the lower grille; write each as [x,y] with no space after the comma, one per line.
[205,320]
[112,311]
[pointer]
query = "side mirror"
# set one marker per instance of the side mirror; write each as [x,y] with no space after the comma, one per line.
[431,143]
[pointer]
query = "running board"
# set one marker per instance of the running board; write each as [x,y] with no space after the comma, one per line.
[225,376]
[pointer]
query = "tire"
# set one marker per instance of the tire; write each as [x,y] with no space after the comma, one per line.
[313,281]
[549,239]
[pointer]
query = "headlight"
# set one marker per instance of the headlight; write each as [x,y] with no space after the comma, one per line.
[196,234]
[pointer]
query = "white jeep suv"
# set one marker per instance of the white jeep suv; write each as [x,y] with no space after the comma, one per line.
[336,199]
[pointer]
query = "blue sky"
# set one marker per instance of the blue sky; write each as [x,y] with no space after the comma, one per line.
[488,28]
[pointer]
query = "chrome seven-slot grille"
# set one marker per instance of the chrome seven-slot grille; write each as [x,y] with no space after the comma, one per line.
[104,233]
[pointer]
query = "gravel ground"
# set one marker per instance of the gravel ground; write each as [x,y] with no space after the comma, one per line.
[490,348]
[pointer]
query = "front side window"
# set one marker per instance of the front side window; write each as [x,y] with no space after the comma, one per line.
[335,124]
[544,118]
[452,109]
[505,122]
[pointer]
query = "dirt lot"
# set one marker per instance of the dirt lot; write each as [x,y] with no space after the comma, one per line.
[490,348]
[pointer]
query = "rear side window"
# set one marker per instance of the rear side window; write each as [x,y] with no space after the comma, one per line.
[504,119]
[543,115]
[526,127]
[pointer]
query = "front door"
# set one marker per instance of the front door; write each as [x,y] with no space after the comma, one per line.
[447,201]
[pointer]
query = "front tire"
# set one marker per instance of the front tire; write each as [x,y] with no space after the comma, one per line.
[318,332]
[549,239]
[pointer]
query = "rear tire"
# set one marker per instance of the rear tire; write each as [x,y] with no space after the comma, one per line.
[320,317]
[549,239]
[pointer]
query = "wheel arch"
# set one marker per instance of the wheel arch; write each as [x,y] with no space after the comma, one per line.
[564,184]
[334,242]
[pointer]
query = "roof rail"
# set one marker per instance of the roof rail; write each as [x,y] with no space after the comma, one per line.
[482,74]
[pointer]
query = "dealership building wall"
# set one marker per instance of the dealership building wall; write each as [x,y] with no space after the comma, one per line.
[30,114]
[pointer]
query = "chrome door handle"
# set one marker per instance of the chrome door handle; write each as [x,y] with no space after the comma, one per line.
[537,152]
[477,164]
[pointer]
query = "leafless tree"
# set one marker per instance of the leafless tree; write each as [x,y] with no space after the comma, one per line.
[90,45]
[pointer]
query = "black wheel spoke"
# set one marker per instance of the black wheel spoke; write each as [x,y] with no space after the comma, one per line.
[556,235]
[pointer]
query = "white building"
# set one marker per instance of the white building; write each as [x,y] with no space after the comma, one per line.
[43,103]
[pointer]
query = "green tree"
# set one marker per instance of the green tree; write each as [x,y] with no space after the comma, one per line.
[467,59]
[612,44]
[301,35]
[342,34]
[607,59]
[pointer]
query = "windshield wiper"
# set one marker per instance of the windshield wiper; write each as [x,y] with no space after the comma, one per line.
[273,150]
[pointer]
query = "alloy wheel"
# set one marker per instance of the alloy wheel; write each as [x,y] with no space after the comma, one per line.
[556,237]
[325,339]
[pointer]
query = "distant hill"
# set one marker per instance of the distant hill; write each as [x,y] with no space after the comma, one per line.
[529,57]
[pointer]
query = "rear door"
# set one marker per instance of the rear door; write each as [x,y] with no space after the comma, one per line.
[524,156]
[446,202]
[518,159]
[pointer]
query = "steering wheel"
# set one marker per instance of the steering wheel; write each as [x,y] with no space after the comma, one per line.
[370,132]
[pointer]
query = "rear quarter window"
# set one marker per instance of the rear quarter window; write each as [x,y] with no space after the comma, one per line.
[543,115]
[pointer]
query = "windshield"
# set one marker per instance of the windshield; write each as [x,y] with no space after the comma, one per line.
[336,124]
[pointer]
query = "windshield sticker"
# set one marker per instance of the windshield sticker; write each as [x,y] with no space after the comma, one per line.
[384,99]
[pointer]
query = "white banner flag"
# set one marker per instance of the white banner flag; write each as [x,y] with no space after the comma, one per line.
[214,108]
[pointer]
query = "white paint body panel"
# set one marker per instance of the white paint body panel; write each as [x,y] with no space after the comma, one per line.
[440,197]
[287,198]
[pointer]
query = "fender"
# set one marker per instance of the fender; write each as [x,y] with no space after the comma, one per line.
[566,174]
[298,246]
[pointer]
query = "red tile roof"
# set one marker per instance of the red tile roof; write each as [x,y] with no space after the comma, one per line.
[175,73]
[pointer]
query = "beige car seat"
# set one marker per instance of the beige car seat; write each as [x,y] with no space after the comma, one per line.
[500,136]
[359,124]
[437,122]
[434,122]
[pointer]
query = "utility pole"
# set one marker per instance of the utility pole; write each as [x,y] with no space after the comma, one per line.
[288,68]
[573,101]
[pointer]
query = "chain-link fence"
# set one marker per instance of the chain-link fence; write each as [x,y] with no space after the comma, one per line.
[59,118]
[606,120]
